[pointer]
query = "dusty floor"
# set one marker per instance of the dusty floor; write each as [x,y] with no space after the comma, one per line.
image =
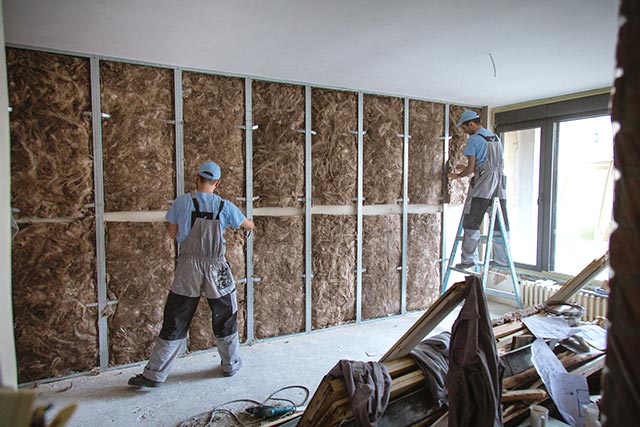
[196,384]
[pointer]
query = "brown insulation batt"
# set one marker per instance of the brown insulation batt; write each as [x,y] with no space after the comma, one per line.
[381,257]
[382,151]
[278,259]
[278,147]
[138,143]
[334,262]
[426,151]
[201,334]
[423,272]
[213,107]
[335,148]
[140,265]
[457,188]
[53,282]
[50,134]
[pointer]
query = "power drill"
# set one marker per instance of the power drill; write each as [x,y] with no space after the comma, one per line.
[265,411]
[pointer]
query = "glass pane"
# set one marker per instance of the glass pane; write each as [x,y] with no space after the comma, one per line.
[584,192]
[522,168]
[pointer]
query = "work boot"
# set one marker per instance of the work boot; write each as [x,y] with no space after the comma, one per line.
[142,381]
[229,371]
[465,265]
[498,266]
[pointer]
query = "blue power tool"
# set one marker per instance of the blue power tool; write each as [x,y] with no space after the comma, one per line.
[266,411]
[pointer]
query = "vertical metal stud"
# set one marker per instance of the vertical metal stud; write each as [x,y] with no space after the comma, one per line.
[359,209]
[177,87]
[101,282]
[443,219]
[308,276]
[405,207]
[248,118]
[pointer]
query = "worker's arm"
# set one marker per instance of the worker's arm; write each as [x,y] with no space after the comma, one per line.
[173,230]
[468,170]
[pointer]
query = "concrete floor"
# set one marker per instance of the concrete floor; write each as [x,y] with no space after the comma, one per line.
[196,384]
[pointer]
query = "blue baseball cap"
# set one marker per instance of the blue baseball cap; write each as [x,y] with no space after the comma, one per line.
[210,170]
[466,116]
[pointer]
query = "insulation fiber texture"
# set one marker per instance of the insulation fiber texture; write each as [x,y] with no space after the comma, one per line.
[140,265]
[334,263]
[335,148]
[201,333]
[423,272]
[278,147]
[51,147]
[382,151]
[138,143]
[457,188]
[426,151]
[279,263]
[213,107]
[53,281]
[381,257]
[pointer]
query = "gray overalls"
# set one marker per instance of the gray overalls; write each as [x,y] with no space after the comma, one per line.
[488,182]
[201,268]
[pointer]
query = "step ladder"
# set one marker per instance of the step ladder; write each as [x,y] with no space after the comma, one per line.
[482,268]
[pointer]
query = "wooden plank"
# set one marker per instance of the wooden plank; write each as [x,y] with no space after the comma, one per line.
[429,320]
[316,401]
[573,285]
[519,395]
[507,329]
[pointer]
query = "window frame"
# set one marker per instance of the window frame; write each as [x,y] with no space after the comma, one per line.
[548,117]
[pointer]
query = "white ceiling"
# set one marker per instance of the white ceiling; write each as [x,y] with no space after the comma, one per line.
[420,48]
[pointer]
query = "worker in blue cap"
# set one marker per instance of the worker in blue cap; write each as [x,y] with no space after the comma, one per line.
[485,161]
[197,221]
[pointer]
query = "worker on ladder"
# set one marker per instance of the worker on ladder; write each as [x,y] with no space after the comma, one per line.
[485,161]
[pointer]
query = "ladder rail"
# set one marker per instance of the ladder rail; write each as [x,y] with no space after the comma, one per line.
[496,216]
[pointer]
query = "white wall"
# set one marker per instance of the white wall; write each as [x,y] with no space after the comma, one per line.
[7,349]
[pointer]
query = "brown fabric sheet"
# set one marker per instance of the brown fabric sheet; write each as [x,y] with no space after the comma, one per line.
[382,151]
[140,266]
[54,280]
[138,143]
[334,262]
[381,257]
[278,147]
[213,107]
[335,149]
[423,273]
[279,262]
[50,134]
[426,151]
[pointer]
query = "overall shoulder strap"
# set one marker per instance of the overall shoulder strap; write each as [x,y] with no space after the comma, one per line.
[220,209]
[195,202]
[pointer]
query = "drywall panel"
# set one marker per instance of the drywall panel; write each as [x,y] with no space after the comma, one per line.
[201,333]
[51,154]
[382,150]
[140,266]
[457,188]
[54,287]
[423,266]
[333,264]
[381,257]
[335,147]
[138,137]
[278,145]
[279,264]
[426,151]
[213,108]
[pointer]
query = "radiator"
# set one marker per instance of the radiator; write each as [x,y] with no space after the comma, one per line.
[537,292]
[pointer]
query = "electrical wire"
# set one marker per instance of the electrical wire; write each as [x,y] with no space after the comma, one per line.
[219,410]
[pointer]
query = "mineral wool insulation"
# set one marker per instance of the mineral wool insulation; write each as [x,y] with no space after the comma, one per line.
[53,263]
[334,147]
[213,107]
